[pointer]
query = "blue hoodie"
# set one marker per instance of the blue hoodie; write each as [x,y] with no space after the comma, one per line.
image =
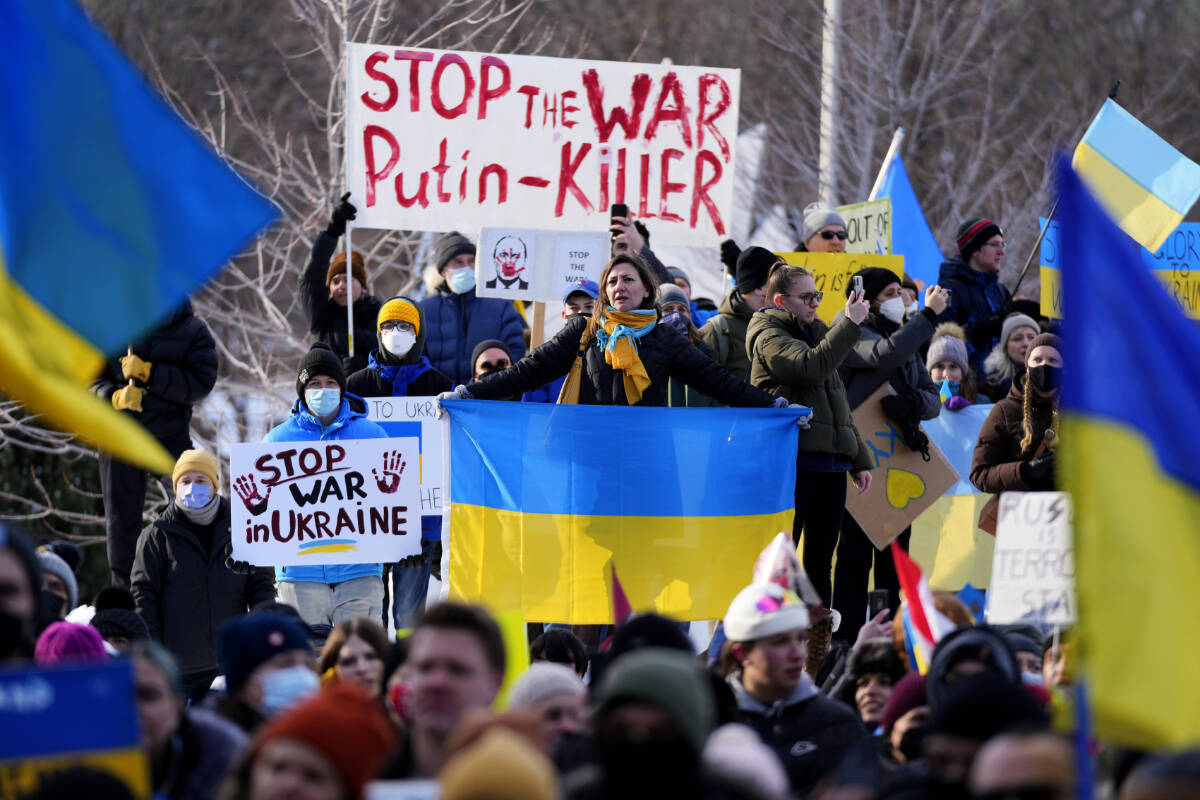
[350,423]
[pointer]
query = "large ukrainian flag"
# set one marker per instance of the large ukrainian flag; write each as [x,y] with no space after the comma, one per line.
[543,498]
[1144,183]
[111,211]
[1130,445]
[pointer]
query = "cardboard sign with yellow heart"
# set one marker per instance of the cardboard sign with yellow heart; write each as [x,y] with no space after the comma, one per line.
[902,483]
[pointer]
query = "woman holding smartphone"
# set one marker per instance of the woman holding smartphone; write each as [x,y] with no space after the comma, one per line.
[794,355]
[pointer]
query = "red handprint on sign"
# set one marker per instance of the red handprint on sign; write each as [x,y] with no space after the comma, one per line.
[393,468]
[247,489]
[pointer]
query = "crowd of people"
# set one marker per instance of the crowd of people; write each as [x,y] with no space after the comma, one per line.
[256,683]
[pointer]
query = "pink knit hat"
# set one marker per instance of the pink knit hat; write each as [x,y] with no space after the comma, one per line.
[67,643]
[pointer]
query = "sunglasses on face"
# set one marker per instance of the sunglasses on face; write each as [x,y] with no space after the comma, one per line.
[499,363]
[827,235]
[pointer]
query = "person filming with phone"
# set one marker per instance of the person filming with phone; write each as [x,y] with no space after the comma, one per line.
[793,354]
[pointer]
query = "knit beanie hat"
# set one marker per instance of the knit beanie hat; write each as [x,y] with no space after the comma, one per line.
[817,216]
[874,279]
[667,679]
[52,563]
[735,751]
[69,643]
[320,360]
[543,680]
[670,293]
[501,765]
[197,461]
[338,266]
[114,597]
[907,694]
[1012,323]
[450,245]
[1020,643]
[120,623]
[245,642]
[949,343]
[400,309]
[764,609]
[753,266]
[488,344]
[343,724]
[973,234]
[1045,340]
[67,551]
[676,273]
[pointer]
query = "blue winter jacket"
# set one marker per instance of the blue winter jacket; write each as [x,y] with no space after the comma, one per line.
[350,423]
[458,322]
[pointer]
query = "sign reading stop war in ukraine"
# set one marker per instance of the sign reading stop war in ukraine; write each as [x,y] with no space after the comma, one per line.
[350,501]
[832,271]
[1033,567]
[524,264]
[439,140]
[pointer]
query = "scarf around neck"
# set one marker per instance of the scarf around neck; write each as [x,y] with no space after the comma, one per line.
[618,339]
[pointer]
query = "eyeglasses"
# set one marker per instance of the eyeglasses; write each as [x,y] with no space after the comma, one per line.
[997,245]
[827,235]
[808,298]
[396,325]
[499,363]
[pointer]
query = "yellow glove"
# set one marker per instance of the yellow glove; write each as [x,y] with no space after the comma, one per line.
[134,367]
[128,398]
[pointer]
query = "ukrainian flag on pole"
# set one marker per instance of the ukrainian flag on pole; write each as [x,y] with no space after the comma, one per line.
[1130,445]
[111,211]
[1144,183]
[544,498]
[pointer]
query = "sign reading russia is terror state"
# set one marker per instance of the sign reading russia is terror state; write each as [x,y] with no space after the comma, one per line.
[350,501]
[440,140]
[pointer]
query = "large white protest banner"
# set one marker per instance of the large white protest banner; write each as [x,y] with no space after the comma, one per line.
[416,417]
[1033,568]
[527,264]
[440,140]
[350,501]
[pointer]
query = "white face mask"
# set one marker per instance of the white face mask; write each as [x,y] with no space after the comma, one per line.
[284,688]
[398,343]
[911,310]
[893,309]
[461,280]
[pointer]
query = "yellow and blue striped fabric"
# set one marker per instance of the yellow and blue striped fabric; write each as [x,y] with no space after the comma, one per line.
[1144,183]
[111,210]
[544,497]
[1130,445]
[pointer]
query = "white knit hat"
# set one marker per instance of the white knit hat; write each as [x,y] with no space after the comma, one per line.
[764,609]
[541,681]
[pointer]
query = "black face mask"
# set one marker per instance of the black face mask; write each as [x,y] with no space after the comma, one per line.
[651,769]
[1044,377]
[14,638]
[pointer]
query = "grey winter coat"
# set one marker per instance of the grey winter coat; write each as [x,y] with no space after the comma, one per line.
[887,352]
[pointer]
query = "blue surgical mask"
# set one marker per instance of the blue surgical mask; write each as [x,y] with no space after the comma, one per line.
[461,280]
[675,320]
[323,402]
[195,495]
[284,688]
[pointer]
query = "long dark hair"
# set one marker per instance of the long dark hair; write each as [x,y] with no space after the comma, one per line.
[367,630]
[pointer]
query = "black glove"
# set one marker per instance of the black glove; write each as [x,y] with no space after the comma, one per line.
[983,332]
[418,559]
[342,212]
[897,407]
[729,255]
[436,557]
[235,566]
[914,438]
[1039,470]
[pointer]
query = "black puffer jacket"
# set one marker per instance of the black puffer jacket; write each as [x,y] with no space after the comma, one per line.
[665,354]
[183,370]
[184,594]
[367,382]
[326,319]
[808,731]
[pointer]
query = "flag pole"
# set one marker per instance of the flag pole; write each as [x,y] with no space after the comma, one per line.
[1037,245]
[893,148]
[350,294]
